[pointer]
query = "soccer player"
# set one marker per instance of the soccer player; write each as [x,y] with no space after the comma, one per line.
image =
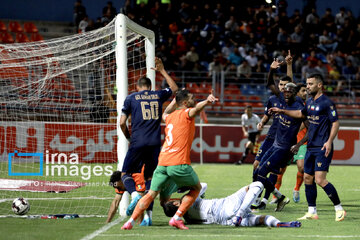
[115,182]
[279,153]
[324,126]
[249,122]
[174,159]
[299,154]
[145,108]
[274,101]
[230,211]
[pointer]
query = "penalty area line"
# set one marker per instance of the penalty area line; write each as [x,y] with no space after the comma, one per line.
[103,229]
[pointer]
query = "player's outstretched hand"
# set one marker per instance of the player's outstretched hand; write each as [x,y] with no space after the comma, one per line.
[211,98]
[288,58]
[159,66]
[274,110]
[276,64]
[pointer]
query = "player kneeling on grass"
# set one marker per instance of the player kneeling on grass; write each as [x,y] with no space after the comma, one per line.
[116,182]
[233,210]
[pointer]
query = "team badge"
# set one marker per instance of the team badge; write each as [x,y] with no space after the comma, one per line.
[319,164]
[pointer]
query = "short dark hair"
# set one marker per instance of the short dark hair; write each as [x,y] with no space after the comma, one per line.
[144,82]
[181,96]
[170,209]
[115,177]
[299,86]
[285,78]
[248,107]
[317,76]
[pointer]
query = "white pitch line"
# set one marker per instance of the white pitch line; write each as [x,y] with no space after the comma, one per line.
[103,229]
[222,236]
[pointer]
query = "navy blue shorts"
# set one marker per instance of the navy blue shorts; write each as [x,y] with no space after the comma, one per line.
[315,160]
[268,142]
[275,158]
[136,157]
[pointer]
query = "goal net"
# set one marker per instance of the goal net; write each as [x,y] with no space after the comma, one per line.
[59,99]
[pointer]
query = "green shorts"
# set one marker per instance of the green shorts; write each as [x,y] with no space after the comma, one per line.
[301,153]
[168,188]
[181,175]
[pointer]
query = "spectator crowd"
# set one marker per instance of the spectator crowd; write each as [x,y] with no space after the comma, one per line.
[243,38]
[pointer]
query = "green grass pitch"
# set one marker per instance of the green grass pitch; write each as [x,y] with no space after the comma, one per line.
[222,181]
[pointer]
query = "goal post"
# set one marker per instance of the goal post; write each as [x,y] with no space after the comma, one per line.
[60,105]
[123,25]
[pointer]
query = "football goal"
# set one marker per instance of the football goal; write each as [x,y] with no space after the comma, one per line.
[59,100]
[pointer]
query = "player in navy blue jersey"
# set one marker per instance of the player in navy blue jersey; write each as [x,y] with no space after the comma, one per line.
[324,126]
[274,101]
[145,109]
[279,153]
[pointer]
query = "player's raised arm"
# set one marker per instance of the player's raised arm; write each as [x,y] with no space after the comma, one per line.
[159,66]
[289,70]
[270,81]
[201,105]
[169,109]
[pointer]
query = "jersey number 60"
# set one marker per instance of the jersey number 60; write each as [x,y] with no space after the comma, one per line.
[150,110]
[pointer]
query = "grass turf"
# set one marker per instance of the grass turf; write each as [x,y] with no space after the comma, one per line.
[222,181]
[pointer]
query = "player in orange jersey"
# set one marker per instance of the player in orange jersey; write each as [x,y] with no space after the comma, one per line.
[174,159]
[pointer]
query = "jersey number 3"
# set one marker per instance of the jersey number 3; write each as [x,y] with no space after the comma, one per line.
[150,110]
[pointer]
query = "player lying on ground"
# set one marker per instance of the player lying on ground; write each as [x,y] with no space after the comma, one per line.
[233,210]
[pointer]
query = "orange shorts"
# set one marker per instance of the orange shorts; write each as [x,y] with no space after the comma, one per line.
[139,182]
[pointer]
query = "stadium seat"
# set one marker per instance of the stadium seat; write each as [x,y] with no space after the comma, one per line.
[36,37]
[15,27]
[6,37]
[21,37]
[30,27]
[190,86]
[254,98]
[2,27]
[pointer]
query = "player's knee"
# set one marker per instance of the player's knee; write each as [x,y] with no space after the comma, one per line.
[322,182]
[257,184]
[308,179]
